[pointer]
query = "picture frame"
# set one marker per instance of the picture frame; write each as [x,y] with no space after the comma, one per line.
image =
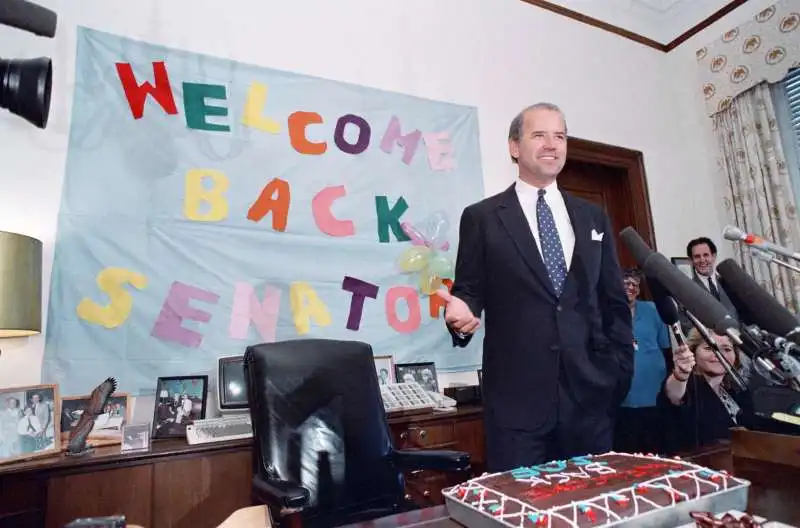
[171,412]
[135,437]
[34,410]
[107,429]
[384,369]
[423,373]
[684,264]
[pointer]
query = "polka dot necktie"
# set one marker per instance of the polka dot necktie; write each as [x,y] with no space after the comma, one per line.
[552,252]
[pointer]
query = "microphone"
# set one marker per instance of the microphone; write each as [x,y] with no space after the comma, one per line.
[692,296]
[28,17]
[667,310]
[765,311]
[735,234]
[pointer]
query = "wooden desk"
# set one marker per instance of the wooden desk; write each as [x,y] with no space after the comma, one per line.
[176,485]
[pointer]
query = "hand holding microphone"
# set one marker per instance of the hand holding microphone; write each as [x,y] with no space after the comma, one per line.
[684,363]
[457,314]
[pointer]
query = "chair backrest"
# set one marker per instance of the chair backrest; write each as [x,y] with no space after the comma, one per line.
[318,420]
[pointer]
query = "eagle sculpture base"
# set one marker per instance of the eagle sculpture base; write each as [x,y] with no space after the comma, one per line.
[76,445]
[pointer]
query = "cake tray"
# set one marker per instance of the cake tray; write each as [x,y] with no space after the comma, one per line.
[733,498]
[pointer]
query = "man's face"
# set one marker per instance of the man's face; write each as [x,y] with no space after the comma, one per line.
[542,146]
[703,260]
[632,288]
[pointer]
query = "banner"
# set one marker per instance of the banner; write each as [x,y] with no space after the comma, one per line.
[209,205]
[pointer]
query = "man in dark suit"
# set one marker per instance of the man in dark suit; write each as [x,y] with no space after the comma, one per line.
[541,267]
[703,253]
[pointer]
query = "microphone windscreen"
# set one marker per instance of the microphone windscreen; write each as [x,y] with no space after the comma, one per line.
[665,305]
[692,296]
[733,233]
[764,310]
[28,17]
[640,251]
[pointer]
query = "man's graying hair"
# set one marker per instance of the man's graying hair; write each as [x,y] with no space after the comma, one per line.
[515,130]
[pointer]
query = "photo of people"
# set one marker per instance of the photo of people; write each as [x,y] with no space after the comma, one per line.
[107,429]
[179,401]
[28,427]
[136,437]
[422,373]
[383,368]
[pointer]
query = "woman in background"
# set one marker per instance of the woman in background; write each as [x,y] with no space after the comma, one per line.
[639,425]
[698,398]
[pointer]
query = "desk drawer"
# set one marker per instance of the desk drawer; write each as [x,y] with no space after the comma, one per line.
[424,435]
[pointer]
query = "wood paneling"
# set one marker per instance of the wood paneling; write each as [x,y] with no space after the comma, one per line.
[176,485]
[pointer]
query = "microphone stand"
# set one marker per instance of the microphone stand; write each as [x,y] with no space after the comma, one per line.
[709,339]
[762,255]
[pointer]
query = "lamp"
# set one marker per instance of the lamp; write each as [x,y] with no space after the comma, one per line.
[20,285]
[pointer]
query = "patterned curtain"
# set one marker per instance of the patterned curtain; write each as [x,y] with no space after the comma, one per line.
[758,195]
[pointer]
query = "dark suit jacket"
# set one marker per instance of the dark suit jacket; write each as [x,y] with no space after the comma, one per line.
[724,299]
[534,341]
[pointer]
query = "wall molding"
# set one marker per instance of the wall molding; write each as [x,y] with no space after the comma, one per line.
[630,35]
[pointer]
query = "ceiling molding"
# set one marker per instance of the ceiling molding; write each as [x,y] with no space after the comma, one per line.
[630,35]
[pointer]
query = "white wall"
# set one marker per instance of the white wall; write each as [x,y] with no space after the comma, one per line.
[500,56]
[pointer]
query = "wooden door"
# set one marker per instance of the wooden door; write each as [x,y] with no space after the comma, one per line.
[605,186]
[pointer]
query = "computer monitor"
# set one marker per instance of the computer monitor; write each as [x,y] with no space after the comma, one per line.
[231,386]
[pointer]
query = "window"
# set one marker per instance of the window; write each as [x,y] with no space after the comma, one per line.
[786,99]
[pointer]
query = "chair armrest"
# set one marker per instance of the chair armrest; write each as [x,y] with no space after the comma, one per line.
[280,493]
[437,460]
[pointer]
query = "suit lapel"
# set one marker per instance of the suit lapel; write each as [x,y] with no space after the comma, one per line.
[513,220]
[581,226]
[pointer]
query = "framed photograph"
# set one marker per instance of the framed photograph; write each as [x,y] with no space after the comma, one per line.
[179,401]
[107,429]
[29,424]
[684,264]
[135,437]
[384,369]
[422,373]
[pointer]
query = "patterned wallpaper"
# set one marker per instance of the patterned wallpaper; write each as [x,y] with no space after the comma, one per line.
[762,49]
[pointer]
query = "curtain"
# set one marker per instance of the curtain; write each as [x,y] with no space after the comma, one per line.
[758,195]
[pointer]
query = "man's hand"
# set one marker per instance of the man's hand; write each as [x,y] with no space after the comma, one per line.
[457,314]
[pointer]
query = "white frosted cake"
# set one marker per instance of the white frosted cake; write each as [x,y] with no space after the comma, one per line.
[613,489]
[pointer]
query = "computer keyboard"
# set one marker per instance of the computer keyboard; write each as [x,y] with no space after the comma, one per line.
[232,427]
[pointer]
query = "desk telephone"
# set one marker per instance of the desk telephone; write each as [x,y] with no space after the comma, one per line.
[410,396]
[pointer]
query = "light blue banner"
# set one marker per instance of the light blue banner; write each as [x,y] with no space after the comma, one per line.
[210,204]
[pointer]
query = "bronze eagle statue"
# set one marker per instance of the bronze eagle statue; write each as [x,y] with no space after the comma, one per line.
[76,445]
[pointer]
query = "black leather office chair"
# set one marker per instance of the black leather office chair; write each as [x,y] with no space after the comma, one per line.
[323,454]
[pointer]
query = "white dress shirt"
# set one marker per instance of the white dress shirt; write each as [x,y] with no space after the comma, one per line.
[527,195]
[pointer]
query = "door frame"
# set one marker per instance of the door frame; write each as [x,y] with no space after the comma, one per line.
[635,184]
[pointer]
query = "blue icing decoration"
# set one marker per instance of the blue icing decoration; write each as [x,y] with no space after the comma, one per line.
[525,473]
[583,508]
[553,467]
[533,517]
[493,508]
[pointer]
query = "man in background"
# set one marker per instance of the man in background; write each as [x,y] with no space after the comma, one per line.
[703,253]
[540,266]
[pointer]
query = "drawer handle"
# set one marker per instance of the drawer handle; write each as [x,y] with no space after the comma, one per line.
[426,493]
[404,435]
[407,496]
[422,433]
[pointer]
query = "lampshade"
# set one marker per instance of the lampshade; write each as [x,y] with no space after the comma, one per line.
[20,285]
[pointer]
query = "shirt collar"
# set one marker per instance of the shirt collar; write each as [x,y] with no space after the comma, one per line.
[526,189]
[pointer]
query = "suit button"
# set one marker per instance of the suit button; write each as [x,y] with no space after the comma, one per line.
[558,308]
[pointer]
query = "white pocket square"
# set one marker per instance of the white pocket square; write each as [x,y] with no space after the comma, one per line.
[597,237]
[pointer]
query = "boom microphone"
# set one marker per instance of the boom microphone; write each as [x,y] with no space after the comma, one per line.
[766,312]
[692,296]
[735,234]
[28,17]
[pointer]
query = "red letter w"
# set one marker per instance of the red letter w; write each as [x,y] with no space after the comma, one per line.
[137,94]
